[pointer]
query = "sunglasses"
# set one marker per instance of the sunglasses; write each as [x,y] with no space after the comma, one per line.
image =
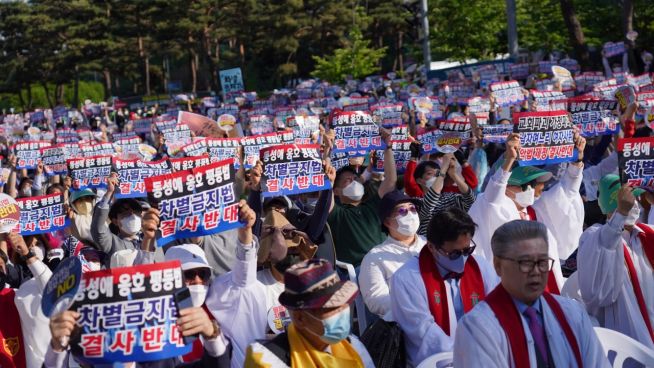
[203,273]
[403,211]
[455,254]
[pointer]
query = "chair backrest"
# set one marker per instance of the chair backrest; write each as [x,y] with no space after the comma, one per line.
[437,360]
[571,289]
[359,306]
[625,347]
[326,249]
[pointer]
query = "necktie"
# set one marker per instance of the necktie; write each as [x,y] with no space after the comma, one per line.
[537,332]
[453,275]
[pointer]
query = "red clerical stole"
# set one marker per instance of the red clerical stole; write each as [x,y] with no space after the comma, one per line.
[12,348]
[552,286]
[647,242]
[509,318]
[471,286]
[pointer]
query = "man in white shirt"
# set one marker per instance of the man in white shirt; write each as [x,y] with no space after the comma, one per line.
[400,221]
[615,264]
[433,290]
[519,324]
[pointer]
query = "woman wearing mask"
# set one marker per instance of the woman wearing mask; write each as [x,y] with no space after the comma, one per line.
[400,221]
[82,203]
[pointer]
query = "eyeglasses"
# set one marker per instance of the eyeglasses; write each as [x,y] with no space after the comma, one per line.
[203,273]
[403,211]
[526,266]
[287,233]
[455,254]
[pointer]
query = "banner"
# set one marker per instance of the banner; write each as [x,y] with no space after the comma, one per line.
[387,115]
[43,214]
[187,163]
[89,172]
[128,314]
[28,153]
[253,144]
[292,169]
[594,118]
[543,100]
[636,161]
[197,202]
[62,286]
[401,154]
[496,133]
[507,93]
[99,149]
[142,126]
[261,124]
[177,138]
[132,173]
[201,125]
[231,80]
[625,96]
[545,138]
[220,149]
[66,135]
[54,160]
[128,148]
[355,131]
[613,49]
[519,71]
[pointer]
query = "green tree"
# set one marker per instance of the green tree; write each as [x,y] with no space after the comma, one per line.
[357,59]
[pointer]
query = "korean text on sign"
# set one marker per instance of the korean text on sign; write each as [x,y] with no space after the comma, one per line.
[355,131]
[636,161]
[89,172]
[545,137]
[42,214]
[292,169]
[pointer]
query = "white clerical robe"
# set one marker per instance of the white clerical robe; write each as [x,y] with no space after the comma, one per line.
[238,302]
[480,340]
[604,279]
[410,308]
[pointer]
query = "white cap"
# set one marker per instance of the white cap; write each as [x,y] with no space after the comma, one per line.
[189,255]
[123,258]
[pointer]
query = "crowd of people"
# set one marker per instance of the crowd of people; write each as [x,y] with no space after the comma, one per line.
[463,251]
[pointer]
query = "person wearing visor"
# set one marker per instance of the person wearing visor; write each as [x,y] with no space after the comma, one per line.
[433,290]
[319,333]
[517,193]
[82,203]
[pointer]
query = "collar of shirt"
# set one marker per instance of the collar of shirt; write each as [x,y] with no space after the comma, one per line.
[522,307]
[414,246]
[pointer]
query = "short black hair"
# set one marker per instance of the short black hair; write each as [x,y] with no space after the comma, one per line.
[449,225]
[422,167]
[54,187]
[342,171]
[118,207]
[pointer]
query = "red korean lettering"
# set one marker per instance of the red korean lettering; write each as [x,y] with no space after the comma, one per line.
[211,219]
[303,182]
[190,223]
[123,340]
[92,345]
[318,180]
[152,338]
[288,183]
[168,228]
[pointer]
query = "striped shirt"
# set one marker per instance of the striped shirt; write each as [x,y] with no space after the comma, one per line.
[434,203]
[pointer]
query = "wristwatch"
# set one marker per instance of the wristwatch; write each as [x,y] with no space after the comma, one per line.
[441,174]
[27,256]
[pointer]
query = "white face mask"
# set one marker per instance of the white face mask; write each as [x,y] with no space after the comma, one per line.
[633,216]
[525,198]
[408,225]
[198,294]
[130,224]
[354,191]
[429,182]
[82,224]
[83,207]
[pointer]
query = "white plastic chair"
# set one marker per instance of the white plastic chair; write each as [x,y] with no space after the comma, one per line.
[571,289]
[437,360]
[624,347]
[358,301]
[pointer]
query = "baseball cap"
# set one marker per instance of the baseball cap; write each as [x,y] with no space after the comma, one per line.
[189,255]
[608,193]
[521,175]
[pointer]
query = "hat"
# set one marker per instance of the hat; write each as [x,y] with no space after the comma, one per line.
[189,255]
[390,200]
[281,201]
[274,246]
[119,204]
[75,195]
[313,284]
[522,175]
[123,258]
[608,193]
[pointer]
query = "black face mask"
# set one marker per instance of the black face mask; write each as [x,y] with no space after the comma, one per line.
[287,262]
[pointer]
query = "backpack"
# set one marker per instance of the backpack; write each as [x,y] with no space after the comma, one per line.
[385,343]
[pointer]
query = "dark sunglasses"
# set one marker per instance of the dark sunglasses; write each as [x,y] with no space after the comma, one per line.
[403,211]
[203,273]
[455,254]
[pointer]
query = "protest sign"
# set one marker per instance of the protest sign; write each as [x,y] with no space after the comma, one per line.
[54,160]
[496,133]
[28,153]
[355,131]
[478,105]
[625,96]
[594,117]
[142,126]
[37,116]
[196,202]
[197,148]
[636,161]
[261,124]
[292,169]
[459,92]
[125,135]
[354,103]
[220,149]
[545,137]
[89,172]
[253,144]
[42,214]
[387,115]
[543,100]
[339,160]
[428,141]
[98,149]
[570,64]
[128,148]
[399,133]
[72,149]
[545,66]
[177,138]
[231,80]
[226,122]
[587,80]
[66,135]
[639,81]
[201,125]
[613,49]
[401,154]
[519,71]
[128,314]
[165,125]
[564,76]
[187,163]
[131,175]
[507,93]
[62,286]
[9,213]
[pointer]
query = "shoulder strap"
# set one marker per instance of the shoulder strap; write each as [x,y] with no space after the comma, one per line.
[279,346]
[567,330]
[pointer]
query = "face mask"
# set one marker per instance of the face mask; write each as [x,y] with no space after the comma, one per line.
[452,265]
[198,294]
[82,224]
[354,191]
[26,192]
[84,207]
[633,215]
[408,225]
[430,182]
[525,198]
[130,224]
[336,327]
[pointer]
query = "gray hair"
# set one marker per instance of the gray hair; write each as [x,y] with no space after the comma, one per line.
[513,231]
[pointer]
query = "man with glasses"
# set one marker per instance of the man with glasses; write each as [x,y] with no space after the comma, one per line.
[435,289]
[400,221]
[519,324]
